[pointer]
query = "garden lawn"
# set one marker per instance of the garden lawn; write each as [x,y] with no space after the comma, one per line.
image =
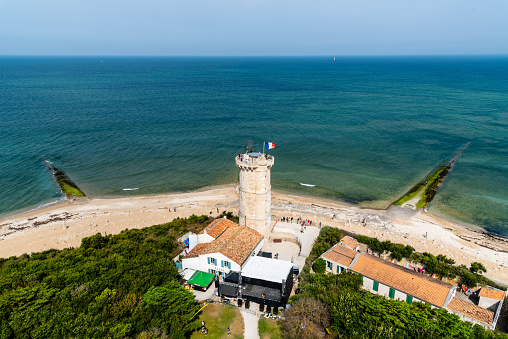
[217,320]
[269,329]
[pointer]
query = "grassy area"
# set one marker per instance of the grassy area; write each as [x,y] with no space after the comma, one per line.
[67,186]
[269,329]
[418,189]
[425,189]
[217,320]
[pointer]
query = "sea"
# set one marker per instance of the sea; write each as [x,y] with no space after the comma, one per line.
[359,130]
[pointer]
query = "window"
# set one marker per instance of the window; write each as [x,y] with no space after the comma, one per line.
[338,269]
[225,263]
[212,271]
[212,261]
[376,286]
[329,265]
[392,293]
[409,299]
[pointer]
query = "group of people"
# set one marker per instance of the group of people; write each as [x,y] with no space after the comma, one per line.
[299,221]
[204,330]
[302,222]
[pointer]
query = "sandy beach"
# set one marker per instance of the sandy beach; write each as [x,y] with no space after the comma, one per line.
[64,225]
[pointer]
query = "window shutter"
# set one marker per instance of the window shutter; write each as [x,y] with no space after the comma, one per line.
[409,299]
[208,262]
[229,264]
[222,263]
[208,270]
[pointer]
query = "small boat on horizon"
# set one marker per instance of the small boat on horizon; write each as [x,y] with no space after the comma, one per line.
[308,185]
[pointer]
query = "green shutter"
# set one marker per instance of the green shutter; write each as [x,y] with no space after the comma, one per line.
[338,269]
[409,299]
[376,286]
[392,293]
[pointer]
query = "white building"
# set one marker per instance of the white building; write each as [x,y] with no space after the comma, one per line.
[221,247]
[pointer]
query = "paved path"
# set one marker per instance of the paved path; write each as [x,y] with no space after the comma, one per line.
[306,238]
[250,322]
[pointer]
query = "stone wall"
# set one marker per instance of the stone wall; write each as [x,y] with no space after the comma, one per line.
[255,192]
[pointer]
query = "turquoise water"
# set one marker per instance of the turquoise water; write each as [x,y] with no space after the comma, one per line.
[362,129]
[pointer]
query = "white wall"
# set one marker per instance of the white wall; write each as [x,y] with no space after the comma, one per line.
[193,241]
[204,238]
[487,302]
[334,266]
[384,290]
[201,263]
[473,321]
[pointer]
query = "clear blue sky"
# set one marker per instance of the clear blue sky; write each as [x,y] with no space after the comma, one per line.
[253,27]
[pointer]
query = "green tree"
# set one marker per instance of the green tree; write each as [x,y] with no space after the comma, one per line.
[477,267]
[319,265]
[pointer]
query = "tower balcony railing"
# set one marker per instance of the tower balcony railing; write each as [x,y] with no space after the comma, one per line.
[246,160]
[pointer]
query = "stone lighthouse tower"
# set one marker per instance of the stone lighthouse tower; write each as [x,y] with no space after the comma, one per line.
[255,190]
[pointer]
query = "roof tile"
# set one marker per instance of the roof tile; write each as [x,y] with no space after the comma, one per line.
[492,293]
[417,285]
[350,242]
[234,241]
[471,310]
[340,254]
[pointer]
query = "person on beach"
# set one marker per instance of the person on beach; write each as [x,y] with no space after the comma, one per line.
[229,331]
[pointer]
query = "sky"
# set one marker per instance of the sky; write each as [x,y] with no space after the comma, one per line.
[253,27]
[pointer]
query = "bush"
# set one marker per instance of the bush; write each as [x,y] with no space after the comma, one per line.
[319,266]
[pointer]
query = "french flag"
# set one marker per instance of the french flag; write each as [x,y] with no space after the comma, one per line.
[269,145]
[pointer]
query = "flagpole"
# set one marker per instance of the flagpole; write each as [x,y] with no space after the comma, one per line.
[263,147]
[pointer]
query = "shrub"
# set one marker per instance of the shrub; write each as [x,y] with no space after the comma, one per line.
[319,265]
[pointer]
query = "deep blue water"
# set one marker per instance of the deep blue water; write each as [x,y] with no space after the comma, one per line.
[362,129]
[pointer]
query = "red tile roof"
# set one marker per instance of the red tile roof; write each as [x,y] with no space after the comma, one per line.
[217,227]
[471,310]
[350,242]
[492,293]
[407,281]
[340,254]
[234,241]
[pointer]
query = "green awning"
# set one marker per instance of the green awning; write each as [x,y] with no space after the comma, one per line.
[201,279]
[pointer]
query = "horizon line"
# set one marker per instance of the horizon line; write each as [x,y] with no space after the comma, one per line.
[250,56]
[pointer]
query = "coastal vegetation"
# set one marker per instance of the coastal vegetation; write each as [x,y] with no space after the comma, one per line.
[68,187]
[112,286]
[424,191]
